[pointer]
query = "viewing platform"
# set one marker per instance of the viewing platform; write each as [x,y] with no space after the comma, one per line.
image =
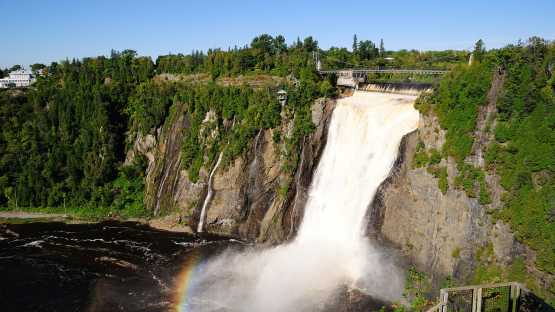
[501,297]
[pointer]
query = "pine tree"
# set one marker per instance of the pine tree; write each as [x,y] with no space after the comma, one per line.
[479,50]
[355,43]
[382,48]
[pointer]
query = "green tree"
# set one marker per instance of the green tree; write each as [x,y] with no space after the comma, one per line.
[279,44]
[309,44]
[15,67]
[479,50]
[36,67]
[367,50]
[382,48]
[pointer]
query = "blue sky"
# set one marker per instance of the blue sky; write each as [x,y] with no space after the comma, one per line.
[51,30]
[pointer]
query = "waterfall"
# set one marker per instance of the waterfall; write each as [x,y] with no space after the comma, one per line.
[363,138]
[208,196]
[330,249]
[410,88]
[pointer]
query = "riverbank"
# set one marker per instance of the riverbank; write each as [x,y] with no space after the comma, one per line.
[30,215]
[169,223]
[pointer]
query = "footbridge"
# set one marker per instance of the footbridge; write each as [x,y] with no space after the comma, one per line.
[353,77]
[362,72]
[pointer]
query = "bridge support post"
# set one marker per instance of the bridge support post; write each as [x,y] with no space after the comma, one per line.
[477,299]
[443,299]
[515,294]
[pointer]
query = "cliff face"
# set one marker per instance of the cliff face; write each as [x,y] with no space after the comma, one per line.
[441,232]
[248,197]
[167,186]
[447,234]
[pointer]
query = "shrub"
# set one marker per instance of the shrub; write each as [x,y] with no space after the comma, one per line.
[443,183]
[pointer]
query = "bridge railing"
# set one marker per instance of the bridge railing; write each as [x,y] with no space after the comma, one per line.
[357,72]
[501,297]
[352,77]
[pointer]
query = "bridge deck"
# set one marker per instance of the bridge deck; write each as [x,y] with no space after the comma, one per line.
[356,72]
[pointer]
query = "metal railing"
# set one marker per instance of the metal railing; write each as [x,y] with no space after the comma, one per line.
[501,297]
[358,72]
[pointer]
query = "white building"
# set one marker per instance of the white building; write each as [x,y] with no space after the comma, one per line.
[18,78]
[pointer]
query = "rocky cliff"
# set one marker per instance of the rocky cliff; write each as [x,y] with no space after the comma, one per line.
[448,233]
[249,199]
[443,231]
[438,232]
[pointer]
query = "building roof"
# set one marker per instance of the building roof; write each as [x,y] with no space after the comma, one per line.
[21,72]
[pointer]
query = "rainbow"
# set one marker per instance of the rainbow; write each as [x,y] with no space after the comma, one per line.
[184,282]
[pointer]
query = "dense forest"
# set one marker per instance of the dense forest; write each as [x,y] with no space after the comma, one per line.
[271,55]
[64,140]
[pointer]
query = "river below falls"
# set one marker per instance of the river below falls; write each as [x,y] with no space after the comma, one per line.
[108,266]
[112,266]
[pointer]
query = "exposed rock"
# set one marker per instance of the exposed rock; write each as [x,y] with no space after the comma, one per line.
[486,121]
[244,191]
[246,199]
[287,218]
[442,233]
[143,145]
[439,233]
[317,111]
[483,136]
[117,262]
[167,186]
[430,133]
[171,222]
[348,299]
[503,242]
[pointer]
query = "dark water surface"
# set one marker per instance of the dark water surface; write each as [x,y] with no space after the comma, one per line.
[108,266]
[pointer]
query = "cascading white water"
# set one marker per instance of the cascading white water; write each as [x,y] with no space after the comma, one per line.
[330,249]
[363,139]
[208,196]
